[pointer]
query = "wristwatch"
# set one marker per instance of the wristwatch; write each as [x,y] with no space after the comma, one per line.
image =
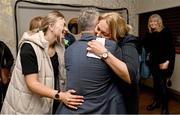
[57,95]
[104,55]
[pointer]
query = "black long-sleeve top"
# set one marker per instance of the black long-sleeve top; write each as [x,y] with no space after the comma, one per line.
[160,46]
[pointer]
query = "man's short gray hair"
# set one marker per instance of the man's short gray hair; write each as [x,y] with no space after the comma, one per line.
[88,18]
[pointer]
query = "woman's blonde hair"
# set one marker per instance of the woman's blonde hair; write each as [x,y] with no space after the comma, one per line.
[117,25]
[35,23]
[159,21]
[51,19]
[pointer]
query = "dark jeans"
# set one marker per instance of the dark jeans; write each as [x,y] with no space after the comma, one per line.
[161,94]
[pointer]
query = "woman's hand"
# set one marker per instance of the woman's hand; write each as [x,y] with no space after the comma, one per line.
[164,65]
[70,99]
[96,47]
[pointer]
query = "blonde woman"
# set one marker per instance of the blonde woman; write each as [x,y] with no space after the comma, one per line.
[158,42]
[38,76]
[113,26]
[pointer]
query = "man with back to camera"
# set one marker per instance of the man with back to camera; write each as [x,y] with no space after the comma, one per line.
[89,75]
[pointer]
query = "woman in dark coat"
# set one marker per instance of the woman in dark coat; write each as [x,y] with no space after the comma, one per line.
[113,26]
[158,42]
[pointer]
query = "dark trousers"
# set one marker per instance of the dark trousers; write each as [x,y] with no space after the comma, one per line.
[160,86]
